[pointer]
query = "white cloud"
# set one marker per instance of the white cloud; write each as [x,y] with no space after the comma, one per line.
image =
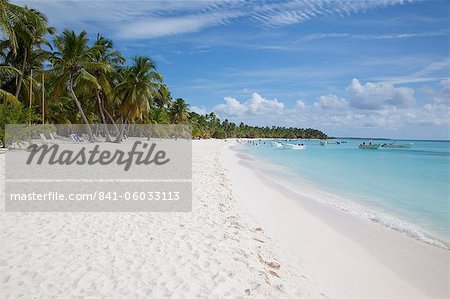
[431,72]
[299,105]
[231,107]
[256,105]
[331,101]
[156,27]
[336,116]
[199,110]
[378,95]
[259,105]
[443,96]
[316,36]
[433,67]
[298,11]
[151,19]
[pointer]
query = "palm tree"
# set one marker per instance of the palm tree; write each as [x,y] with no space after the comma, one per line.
[108,58]
[31,40]
[158,116]
[16,22]
[162,97]
[135,89]
[24,30]
[179,111]
[72,62]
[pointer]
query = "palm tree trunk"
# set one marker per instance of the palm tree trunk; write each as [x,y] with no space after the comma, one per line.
[19,83]
[77,102]
[100,107]
[122,128]
[111,119]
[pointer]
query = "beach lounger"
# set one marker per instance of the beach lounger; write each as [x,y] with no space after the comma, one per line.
[43,139]
[52,137]
[76,138]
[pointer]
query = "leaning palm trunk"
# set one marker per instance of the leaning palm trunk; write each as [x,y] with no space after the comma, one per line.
[111,119]
[122,128]
[77,102]
[19,82]
[100,107]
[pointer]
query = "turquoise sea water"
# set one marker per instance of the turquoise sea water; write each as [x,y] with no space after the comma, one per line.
[404,189]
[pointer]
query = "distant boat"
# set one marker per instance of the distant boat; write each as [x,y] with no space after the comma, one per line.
[397,145]
[325,142]
[276,144]
[369,145]
[294,146]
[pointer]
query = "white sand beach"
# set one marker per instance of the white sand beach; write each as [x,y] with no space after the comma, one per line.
[245,238]
[347,257]
[211,252]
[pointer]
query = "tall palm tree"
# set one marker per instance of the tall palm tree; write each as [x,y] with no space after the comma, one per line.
[71,63]
[135,89]
[108,58]
[16,20]
[24,31]
[179,111]
[162,97]
[31,39]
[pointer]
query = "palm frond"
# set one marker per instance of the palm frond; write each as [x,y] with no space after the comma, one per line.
[6,70]
[7,97]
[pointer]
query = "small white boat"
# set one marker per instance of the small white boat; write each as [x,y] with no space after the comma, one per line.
[396,145]
[291,146]
[325,142]
[369,146]
[276,144]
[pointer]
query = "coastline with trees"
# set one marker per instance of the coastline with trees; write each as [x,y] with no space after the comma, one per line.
[68,78]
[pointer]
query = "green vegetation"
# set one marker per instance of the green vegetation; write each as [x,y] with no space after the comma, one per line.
[74,80]
[14,114]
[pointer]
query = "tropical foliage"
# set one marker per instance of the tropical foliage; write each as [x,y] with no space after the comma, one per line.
[67,78]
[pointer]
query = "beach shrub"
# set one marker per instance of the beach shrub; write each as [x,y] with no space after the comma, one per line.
[14,114]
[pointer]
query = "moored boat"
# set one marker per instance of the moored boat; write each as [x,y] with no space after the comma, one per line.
[276,144]
[396,145]
[369,145]
[325,142]
[294,146]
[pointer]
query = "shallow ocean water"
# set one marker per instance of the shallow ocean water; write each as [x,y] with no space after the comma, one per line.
[404,189]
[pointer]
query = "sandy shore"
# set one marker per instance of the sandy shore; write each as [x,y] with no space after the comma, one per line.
[211,252]
[245,238]
[345,256]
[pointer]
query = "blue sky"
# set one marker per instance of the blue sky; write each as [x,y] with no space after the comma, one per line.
[349,68]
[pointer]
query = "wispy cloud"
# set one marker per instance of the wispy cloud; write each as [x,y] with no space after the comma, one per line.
[435,71]
[298,11]
[153,27]
[152,19]
[316,36]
